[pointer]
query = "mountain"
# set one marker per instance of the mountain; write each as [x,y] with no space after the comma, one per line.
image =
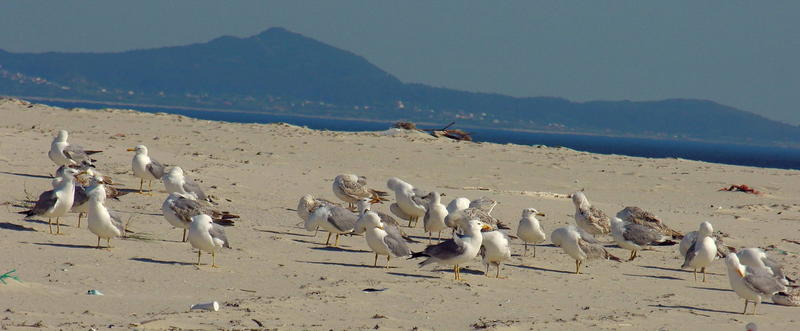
[280,71]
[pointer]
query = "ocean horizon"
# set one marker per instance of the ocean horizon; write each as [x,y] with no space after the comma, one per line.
[724,153]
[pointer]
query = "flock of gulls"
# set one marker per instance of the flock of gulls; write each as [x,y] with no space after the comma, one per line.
[472,230]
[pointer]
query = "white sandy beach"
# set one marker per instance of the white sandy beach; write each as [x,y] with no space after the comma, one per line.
[278,276]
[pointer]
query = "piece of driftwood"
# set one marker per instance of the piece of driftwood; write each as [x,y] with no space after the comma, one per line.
[446,132]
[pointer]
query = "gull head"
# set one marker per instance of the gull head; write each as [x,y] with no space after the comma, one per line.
[364,204]
[62,136]
[434,197]
[530,212]
[706,229]
[176,171]
[201,221]
[139,149]
[733,264]
[372,220]
[394,183]
[578,198]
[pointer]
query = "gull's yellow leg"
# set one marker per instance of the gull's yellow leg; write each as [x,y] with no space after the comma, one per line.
[745,307]
[98,242]
[141,183]
[79,219]
[704,274]
[50,224]
[328,242]
[375,264]
[337,241]
[184,236]
[198,256]
[388,257]
[534,250]
[695,274]
[58,225]
[214,259]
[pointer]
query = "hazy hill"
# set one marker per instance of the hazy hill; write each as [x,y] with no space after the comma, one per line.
[281,71]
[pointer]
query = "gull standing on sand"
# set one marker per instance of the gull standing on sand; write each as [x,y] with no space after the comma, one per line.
[409,200]
[454,220]
[495,249]
[80,200]
[529,229]
[461,249]
[702,251]
[580,249]
[382,239]
[333,219]
[351,188]
[364,205]
[178,210]
[145,168]
[308,204]
[207,236]
[635,237]
[589,218]
[102,222]
[56,202]
[558,235]
[639,216]
[751,284]
[435,212]
[175,181]
[63,153]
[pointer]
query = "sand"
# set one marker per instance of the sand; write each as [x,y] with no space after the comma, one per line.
[278,276]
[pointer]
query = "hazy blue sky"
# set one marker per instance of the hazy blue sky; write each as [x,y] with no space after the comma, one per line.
[740,53]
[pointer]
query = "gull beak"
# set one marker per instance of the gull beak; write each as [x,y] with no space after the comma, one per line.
[541,214]
[739,271]
[131,149]
[380,227]
[486,227]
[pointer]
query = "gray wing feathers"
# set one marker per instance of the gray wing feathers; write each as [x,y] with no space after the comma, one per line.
[217,232]
[116,219]
[444,250]
[186,208]
[762,282]
[775,266]
[394,240]
[46,201]
[155,168]
[191,186]
[80,196]
[75,152]
[640,234]
[690,254]
[342,219]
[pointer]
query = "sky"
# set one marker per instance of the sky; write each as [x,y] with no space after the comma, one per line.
[738,53]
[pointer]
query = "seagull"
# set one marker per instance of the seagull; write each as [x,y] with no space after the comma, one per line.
[454,219]
[574,245]
[63,153]
[702,252]
[558,235]
[409,200]
[176,181]
[756,258]
[751,284]
[308,204]
[529,229]
[80,199]
[457,204]
[382,239]
[364,205]
[351,188]
[435,212]
[790,297]
[460,249]
[179,208]
[639,216]
[690,238]
[56,202]
[589,218]
[207,236]
[495,248]
[334,219]
[103,222]
[145,168]
[635,237]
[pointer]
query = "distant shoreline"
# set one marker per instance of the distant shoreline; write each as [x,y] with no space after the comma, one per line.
[391,122]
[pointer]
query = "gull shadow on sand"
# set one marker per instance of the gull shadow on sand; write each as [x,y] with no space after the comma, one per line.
[690,308]
[678,270]
[26,175]
[68,245]
[286,233]
[339,249]
[343,264]
[711,289]
[538,268]
[654,276]
[402,274]
[15,227]
[149,260]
